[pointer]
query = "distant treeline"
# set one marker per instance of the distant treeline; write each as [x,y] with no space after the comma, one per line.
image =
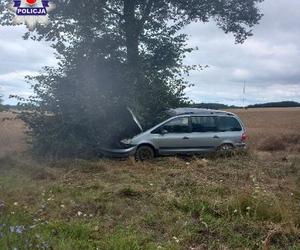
[213,106]
[7,107]
[284,104]
[218,106]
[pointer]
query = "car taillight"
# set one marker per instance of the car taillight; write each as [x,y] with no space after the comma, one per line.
[244,137]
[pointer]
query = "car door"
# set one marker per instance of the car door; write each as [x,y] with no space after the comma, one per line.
[204,136]
[174,136]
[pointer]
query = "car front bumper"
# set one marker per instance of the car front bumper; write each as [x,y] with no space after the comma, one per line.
[119,153]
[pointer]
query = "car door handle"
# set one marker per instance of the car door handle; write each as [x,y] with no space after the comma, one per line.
[216,137]
[185,138]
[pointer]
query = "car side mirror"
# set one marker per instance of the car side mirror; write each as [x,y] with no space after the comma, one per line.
[163,131]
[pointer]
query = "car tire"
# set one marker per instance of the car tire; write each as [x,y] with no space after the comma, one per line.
[225,147]
[144,153]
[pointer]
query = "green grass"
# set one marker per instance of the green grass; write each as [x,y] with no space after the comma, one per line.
[170,203]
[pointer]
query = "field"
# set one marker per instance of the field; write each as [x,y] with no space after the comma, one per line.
[246,201]
[273,129]
[12,138]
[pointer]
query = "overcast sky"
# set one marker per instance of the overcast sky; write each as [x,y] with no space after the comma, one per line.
[269,62]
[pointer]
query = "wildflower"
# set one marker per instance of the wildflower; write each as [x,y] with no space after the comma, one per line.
[2,204]
[235,211]
[187,163]
[79,213]
[248,208]
[17,229]
[62,205]
[151,184]
[16,203]
[176,239]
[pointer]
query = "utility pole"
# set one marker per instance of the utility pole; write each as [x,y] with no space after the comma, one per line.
[244,94]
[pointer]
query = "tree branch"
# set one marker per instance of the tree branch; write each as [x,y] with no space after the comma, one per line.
[148,7]
[112,11]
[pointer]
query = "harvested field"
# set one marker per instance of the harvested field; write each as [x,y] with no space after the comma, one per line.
[272,129]
[12,137]
[269,129]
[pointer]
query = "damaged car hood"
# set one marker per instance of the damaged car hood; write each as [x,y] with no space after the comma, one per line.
[135,119]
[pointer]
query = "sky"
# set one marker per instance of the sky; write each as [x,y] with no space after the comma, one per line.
[268,62]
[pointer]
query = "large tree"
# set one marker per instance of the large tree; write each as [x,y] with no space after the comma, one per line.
[118,53]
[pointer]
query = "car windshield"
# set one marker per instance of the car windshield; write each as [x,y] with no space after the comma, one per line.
[161,117]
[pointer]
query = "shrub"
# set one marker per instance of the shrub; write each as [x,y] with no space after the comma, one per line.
[272,144]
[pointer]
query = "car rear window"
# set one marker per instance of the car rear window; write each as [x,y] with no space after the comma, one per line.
[203,124]
[228,124]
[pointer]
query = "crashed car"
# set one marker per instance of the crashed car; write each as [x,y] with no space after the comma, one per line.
[186,131]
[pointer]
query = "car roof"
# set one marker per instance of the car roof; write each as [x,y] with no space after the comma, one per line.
[197,111]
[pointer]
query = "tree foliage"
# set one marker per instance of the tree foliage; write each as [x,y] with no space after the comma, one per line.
[113,54]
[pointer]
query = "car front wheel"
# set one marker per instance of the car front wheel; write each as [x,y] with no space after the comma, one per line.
[144,153]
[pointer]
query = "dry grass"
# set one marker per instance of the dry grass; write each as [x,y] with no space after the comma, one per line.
[272,129]
[12,137]
[248,201]
[170,203]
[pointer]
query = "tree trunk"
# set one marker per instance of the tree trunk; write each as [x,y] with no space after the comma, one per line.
[132,36]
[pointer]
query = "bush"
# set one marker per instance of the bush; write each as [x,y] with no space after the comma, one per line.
[280,143]
[272,144]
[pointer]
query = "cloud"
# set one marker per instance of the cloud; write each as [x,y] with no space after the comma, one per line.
[269,61]
[19,58]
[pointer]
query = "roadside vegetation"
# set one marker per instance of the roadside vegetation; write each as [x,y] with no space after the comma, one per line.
[243,201]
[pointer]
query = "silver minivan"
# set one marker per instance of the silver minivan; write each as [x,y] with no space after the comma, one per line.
[188,131]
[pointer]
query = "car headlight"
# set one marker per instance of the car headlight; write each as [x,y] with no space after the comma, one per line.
[126,141]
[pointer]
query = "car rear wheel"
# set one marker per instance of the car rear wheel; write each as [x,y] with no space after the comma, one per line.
[225,148]
[144,153]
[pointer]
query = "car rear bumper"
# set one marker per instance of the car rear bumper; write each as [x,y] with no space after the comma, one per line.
[241,145]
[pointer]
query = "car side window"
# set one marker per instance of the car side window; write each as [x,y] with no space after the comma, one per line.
[177,125]
[228,124]
[203,124]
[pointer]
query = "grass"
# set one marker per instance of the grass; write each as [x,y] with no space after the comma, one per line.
[171,203]
[243,201]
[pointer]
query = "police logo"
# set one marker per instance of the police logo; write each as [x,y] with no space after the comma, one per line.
[31,12]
